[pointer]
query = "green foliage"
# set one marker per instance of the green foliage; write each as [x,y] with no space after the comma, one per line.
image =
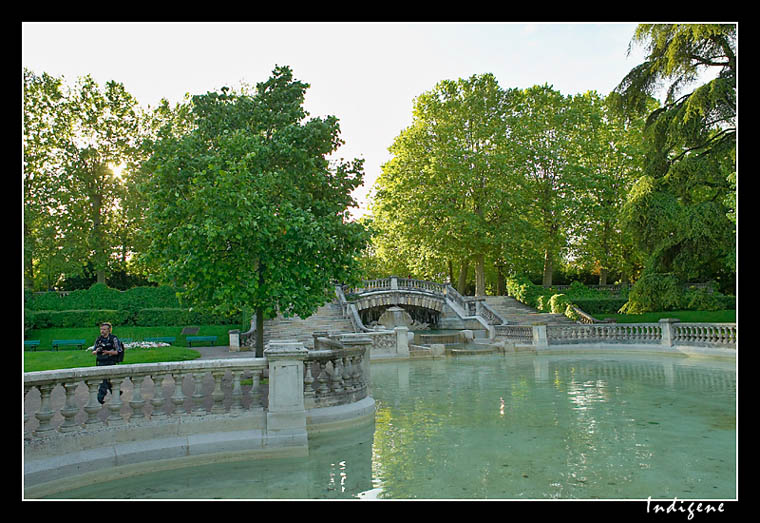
[98,296]
[243,207]
[141,306]
[655,292]
[174,316]
[78,318]
[680,211]
[523,290]
[558,303]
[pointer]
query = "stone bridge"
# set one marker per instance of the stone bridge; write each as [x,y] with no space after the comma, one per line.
[425,301]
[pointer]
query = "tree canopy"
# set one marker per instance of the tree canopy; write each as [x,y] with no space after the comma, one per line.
[245,210]
[681,210]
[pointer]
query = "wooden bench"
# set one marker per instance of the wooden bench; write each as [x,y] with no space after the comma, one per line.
[58,343]
[165,339]
[196,339]
[31,343]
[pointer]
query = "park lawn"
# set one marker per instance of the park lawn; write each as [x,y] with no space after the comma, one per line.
[46,336]
[725,316]
[69,359]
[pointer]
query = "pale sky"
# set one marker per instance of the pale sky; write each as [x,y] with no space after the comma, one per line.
[365,74]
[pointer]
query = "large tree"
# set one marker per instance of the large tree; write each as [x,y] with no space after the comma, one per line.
[74,137]
[680,210]
[440,199]
[245,210]
[545,142]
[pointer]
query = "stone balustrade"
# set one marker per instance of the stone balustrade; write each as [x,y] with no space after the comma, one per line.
[177,410]
[666,333]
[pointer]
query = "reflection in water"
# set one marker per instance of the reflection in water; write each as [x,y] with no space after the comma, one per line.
[503,426]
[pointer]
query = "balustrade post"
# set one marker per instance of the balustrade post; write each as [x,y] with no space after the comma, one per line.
[668,331]
[93,407]
[178,398]
[45,413]
[198,393]
[70,410]
[337,375]
[137,402]
[114,405]
[237,394]
[286,411]
[540,340]
[157,401]
[308,379]
[218,394]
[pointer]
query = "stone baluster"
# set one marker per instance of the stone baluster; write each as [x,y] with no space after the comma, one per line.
[322,377]
[336,379]
[70,409]
[198,393]
[308,379]
[236,408]
[45,413]
[218,394]
[93,407]
[114,405]
[137,402]
[348,383]
[356,371]
[178,399]
[157,401]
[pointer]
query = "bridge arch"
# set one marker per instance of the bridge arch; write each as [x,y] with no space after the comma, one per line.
[424,301]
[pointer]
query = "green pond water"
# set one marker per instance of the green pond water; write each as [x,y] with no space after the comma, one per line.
[494,426]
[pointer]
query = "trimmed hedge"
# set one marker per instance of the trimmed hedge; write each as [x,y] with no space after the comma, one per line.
[101,297]
[76,318]
[139,306]
[654,292]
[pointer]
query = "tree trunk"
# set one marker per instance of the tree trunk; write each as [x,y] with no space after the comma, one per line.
[480,275]
[97,231]
[603,276]
[501,284]
[259,332]
[451,272]
[462,282]
[260,316]
[548,268]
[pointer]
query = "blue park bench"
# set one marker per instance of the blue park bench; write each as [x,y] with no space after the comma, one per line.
[60,343]
[197,339]
[165,339]
[31,343]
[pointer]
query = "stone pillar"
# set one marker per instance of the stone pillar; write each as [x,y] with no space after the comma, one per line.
[394,283]
[286,413]
[540,340]
[234,340]
[667,331]
[402,341]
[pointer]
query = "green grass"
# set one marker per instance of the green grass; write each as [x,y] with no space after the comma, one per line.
[46,336]
[68,359]
[725,316]
[44,358]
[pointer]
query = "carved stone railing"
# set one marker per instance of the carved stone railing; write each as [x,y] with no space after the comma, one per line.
[600,333]
[515,333]
[177,410]
[421,285]
[335,375]
[73,416]
[486,312]
[707,334]
[666,333]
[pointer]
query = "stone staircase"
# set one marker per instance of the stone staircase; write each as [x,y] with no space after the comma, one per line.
[328,318]
[516,313]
